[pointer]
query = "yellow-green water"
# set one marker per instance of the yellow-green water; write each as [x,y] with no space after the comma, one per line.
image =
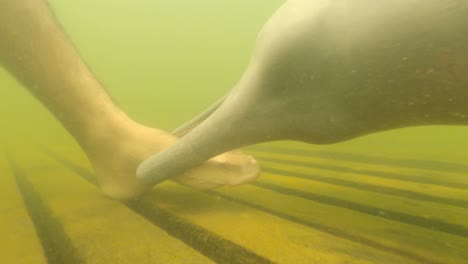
[164,62]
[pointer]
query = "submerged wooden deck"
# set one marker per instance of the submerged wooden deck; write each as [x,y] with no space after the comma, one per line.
[307,207]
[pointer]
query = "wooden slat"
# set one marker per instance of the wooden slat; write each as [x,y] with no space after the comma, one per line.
[100,230]
[398,157]
[274,238]
[430,246]
[277,239]
[387,203]
[283,228]
[363,166]
[434,190]
[18,239]
[208,243]
[417,175]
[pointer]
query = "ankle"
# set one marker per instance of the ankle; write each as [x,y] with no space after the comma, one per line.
[108,130]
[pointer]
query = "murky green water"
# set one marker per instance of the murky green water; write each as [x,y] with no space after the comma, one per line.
[165,61]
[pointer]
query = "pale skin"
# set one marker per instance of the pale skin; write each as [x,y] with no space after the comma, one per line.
[34,49]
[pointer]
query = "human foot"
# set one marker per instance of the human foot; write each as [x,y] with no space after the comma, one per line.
[116,153]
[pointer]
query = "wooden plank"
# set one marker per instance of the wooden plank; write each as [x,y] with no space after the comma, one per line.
[337,235]
[430,246]
[19,242]
[434,190]
[210,244]
[99,229]
[366,167]
[276,239]
[386,203]
[400,157]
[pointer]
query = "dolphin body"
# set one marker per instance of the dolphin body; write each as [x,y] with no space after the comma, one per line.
[325,71]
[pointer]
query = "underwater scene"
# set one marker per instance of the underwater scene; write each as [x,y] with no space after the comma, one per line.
[396,195]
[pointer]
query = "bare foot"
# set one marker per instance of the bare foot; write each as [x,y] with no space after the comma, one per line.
[115,155]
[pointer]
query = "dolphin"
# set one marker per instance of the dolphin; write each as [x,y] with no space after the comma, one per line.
[326,71]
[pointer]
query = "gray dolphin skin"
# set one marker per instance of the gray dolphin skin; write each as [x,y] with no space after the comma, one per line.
[325,71]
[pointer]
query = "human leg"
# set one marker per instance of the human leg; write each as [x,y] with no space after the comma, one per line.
[36,51]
